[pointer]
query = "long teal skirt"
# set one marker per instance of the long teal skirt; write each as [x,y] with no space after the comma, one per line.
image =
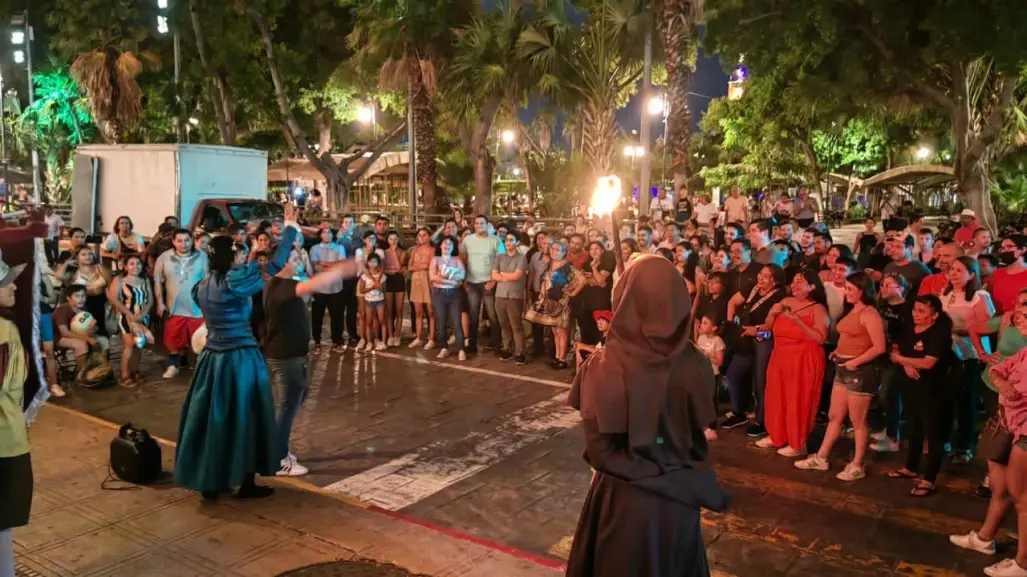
[227,428]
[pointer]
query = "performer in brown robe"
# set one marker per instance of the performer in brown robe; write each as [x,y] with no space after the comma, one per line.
[644,399]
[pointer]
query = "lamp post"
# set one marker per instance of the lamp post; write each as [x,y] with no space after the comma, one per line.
[659,105]
[24,37]
[163,27]
[368,115]
[632,152]
[3,141]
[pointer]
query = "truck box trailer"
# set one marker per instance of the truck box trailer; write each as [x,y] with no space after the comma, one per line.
[148,182]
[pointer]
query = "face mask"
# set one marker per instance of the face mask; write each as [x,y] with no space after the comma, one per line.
[1006,257]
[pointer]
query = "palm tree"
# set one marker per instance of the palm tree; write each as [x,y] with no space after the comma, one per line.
[410,42]
[486,74]
[678,28]
[104,38]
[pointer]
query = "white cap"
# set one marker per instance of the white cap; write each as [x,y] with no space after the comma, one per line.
[968,212]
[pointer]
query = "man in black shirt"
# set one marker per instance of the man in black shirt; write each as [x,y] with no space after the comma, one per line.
[742,276]
[287,334]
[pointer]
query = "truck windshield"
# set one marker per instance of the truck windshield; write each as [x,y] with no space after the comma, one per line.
[245,212]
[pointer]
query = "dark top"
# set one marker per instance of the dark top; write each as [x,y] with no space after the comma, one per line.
[594,298]
[711,307]
[936,342]
[286,328]
[867,242]
[895,317]
[878,260]
[743,282]
[684,209]
[62,318]
[913,271]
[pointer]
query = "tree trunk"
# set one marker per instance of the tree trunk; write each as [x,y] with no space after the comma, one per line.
[434,198]
[324,119]
[597,138]
[849,191]
[483,165]
[678,30]
[973,185]
[223,103]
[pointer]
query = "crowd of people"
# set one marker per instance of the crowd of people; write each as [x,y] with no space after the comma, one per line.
[903,327]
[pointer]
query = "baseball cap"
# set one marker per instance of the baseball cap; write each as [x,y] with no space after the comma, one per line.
[9,273]
[968,212]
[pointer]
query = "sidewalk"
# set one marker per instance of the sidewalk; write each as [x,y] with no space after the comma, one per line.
[80,529]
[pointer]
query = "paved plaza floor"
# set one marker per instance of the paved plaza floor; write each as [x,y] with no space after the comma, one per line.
[487,455]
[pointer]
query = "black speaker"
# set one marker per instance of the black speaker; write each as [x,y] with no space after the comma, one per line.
[135,456]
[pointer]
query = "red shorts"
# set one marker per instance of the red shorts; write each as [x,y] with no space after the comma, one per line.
[178,332]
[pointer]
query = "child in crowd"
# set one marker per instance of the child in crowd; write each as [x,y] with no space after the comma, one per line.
[710,343]
[603,319]
[371,289]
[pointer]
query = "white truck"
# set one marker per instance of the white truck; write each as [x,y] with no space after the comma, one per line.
[201,185]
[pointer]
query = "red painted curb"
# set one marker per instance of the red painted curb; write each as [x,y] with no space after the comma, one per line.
[509,550]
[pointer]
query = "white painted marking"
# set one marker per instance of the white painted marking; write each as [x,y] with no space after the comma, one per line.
[426,471]
[453,365]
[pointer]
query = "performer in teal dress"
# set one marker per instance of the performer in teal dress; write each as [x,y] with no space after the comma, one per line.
[227,429]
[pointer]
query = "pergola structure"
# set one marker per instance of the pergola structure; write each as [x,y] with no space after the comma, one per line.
[382,186]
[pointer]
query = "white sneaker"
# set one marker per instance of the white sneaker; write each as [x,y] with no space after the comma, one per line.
[57,391]
[813,463]
[789,452]
[171,372]
[461,356]
[885,446]
[443,354]
[291,467]
[452,339]
[973,542]
[429,346]
[379,346]
[361,344]
[765,443]
[851,473]
[1005,568]
[416,343]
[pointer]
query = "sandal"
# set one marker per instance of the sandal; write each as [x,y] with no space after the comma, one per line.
[902,473]
[923,490]
[128,383]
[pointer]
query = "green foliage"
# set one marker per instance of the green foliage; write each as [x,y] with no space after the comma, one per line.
[859,147]
[1008,187]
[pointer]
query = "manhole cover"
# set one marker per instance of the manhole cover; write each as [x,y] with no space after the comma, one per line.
[349,569]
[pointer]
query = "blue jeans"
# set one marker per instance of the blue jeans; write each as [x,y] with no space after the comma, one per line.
[748,374]
[476,295]
[291,383]
[446,303]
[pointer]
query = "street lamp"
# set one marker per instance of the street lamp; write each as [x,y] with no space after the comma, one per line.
[367,115]
[657,105]
[634,151]
[923,153]
[517,171]
[507,136]
[22,35]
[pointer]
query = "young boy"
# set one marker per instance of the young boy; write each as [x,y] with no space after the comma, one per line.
[712,346]
[603,319]
[74,301]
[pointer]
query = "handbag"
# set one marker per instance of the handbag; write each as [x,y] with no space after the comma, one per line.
[996,442]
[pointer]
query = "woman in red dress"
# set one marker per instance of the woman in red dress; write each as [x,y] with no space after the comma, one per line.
[796,369]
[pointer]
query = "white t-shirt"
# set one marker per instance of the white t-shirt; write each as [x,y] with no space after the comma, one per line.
[710,346]
[53,225]
[735,208]
[704,213]
[662,207]
[372,295]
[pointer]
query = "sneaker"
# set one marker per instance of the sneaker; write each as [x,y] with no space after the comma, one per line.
[756,431]
[171,372]
[379,346]
[57,391]
[791,453]
[732,420]
[885,446]
[520,360]
[879,435]
[291,467]
[416,343]
[813,463]
[973,542]
[461,356]
[766,443]
[452,339]
[1005,568]
[851,473]
[443,354]
[962,457]
[429,345]
[505,355]
[361,344]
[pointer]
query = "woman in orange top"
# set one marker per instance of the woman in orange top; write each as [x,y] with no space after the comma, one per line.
[795,373]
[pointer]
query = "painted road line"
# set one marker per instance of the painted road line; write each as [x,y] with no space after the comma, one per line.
[430,469]
[453,365]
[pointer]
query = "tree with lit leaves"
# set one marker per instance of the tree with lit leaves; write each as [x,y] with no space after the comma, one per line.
[945,56]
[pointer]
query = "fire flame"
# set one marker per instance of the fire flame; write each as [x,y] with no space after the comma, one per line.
[607,196]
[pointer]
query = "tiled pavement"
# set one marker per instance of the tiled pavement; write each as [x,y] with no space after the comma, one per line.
[79,529]
[485,451]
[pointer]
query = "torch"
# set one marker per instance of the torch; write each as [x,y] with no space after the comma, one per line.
[605,201]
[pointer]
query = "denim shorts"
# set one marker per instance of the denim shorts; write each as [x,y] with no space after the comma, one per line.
[374,305]
[46,327]
[863,380]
